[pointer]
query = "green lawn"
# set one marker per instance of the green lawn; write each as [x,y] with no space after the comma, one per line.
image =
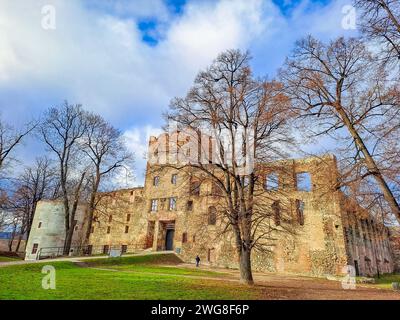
[8,259]
[161,264]
[385,281]
[136,278]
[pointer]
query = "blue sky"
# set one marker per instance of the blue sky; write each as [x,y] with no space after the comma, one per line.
[127,59]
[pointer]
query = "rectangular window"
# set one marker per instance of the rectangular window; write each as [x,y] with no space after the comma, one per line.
[106,249]
[276,212]
[184,237]
[128,217]
[303,181]
[124,248]
[110,218]
[272,181]
[195,188]
[189,205]
[300,211]
[108,230]
[174,178]
[126,229]
[40,225]
[156,181]
[35,248]
[154,205]
[172,203]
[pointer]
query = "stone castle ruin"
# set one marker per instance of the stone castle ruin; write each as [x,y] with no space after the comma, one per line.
[307,225]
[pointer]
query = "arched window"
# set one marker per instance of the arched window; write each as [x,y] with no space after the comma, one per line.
[212,216]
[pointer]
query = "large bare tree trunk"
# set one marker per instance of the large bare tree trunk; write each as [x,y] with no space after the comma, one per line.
[371,165]
[246,275]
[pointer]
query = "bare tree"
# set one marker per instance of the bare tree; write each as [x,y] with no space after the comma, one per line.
[105,147]
[339,85]
[380,22]
[247,121]
[62,131]
[9,139]
[37,182]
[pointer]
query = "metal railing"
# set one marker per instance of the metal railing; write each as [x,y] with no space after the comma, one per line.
[81,251]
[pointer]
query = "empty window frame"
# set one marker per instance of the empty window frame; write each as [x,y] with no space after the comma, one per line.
[174,178]
[271,181]
[212,216]
[154,205]
[172,203]
[303,181]
[106,249]
[195,188]
[300,211]
[184,237]
[189,205]
[276,210]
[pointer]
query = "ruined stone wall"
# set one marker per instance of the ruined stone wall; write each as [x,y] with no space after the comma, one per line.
[119,220]
[394,239]
[367,241]
[316,247]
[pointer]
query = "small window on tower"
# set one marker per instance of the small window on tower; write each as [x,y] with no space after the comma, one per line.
[184,237]
[35,248]
[174,178]
[110,218]
[128,217]
[156,181]
[126,229]
[108,230]
[40,225]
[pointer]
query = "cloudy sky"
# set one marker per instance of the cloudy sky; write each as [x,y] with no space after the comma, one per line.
[127,59]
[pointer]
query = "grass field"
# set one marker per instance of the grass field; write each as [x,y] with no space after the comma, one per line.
[142,277]
[385,281]
[8,259]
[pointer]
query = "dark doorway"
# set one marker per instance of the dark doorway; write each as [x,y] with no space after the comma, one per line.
[169,239]
[356,267]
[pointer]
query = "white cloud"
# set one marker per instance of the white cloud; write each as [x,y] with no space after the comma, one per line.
[137,140]
[96,55]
